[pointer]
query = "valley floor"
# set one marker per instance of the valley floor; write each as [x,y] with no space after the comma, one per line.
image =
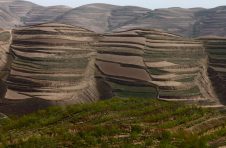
[117,123]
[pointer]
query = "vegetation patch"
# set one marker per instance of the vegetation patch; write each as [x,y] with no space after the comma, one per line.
[182,93]
[4,36]
[113,123]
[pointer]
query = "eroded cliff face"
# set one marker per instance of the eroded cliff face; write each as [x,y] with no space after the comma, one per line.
[5,60]
[57,64]
[216,50]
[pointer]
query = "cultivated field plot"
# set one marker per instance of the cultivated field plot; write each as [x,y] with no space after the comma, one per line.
[174,67]
[118,123]
[121,66]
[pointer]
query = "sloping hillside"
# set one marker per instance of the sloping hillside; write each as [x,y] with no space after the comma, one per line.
[12,11]
[15,13]
[62,64]
[20,8]
[118,123]
[38,15]
[121,16]
[102,18]
[54,63]
[211,22]
[154,64]
[175,20]
[93,17]
[7,18]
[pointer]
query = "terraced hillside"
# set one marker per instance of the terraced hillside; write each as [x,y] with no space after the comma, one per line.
[5,39]
[120,65]
[118,123]
[178,67]
[154,64]
[52,62]
[216,49]
[62,64]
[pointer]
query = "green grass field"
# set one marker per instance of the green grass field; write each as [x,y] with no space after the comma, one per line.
[117,123]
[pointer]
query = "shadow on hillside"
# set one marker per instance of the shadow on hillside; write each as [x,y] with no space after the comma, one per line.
[218,85]
[24,107]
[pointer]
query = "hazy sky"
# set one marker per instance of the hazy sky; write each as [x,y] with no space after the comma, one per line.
[152,4]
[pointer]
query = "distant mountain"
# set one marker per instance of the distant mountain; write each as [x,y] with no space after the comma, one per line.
[41,14]
[21,8]
[94,17]
[176,20]
[17,12]
[101,18]
[12,11]
[125,15]
[186,22]
[210,22]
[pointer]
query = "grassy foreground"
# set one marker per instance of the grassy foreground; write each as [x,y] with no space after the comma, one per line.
[117,123]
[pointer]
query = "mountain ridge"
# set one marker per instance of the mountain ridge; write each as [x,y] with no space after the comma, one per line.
[100,17]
